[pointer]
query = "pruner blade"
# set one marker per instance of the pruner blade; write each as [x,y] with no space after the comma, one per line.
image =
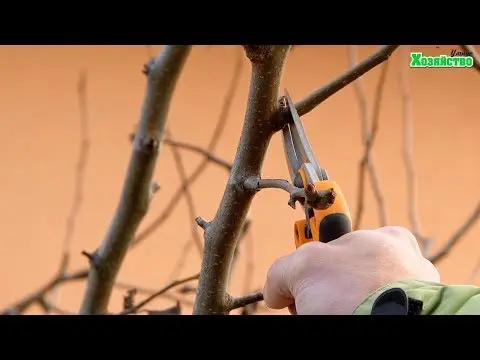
[297,147]
[290,154]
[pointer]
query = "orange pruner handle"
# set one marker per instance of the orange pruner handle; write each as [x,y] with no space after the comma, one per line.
[326,225]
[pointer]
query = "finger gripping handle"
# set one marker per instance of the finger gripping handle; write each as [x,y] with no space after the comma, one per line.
[333,226]
[328,224]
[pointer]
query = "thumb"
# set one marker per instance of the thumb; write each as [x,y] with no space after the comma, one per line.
[276,292]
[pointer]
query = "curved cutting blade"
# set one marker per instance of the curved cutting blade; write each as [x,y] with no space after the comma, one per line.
[290,154]
[303,150]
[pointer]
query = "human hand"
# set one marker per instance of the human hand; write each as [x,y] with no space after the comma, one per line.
[334,278]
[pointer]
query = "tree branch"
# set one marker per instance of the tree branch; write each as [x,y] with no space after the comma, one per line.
[163,74]
[368,137]
[411,181]
[318,199]
[208,155]
[261,122]
[83,157]
[233,303]
[39,295]
[457,235]
[150,291]
[411,178]
[310,102]
[182,258]
[476,57]
[188,195]
[160,292]
[222,120]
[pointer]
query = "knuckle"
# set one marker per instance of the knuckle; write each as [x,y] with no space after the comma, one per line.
[399,232]
[307,251]
[307,256]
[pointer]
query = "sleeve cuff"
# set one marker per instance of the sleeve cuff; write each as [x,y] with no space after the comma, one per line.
[427,292]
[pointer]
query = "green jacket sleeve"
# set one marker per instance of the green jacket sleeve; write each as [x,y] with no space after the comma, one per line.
[438,299]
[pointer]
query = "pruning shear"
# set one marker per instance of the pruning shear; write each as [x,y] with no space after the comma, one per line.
[327,216]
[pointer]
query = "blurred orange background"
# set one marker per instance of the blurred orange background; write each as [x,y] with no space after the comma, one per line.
[41,125]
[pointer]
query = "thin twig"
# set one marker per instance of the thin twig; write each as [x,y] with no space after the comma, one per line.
[148,291]
[207,154]
[476,57]
[105,264]
[457,235]
[318,199]
[157,294]
[411,181]
[411,178]
[37,296]
[51,308]
[374,179]
[255,183]
[224,114]
[233,303]
[82,162]
[311,101]
[368,137]
[181,260]
[187,194]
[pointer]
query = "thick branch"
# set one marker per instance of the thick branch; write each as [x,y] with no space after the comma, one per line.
[457,236]
[476,57]
[261,122]
[233,303]
[310,102]
[163,74]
